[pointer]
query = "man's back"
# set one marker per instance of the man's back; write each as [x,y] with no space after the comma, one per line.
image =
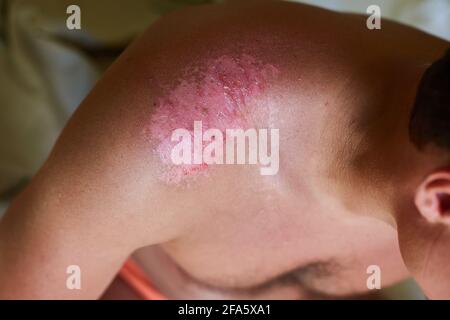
[322,79]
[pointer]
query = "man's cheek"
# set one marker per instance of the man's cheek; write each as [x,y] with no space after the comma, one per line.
[425,251]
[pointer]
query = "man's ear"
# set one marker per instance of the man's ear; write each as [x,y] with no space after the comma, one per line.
[432,197]
[424,235]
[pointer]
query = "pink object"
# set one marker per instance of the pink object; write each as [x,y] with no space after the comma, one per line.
[219,93]
[135,277]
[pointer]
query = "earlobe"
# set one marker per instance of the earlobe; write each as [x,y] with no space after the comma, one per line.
[432,197]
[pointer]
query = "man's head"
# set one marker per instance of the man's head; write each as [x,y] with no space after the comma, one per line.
[430,128]
[422,221]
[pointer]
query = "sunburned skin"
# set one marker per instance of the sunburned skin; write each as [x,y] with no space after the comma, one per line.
[221,93]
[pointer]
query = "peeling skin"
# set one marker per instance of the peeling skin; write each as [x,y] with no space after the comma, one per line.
[220,93]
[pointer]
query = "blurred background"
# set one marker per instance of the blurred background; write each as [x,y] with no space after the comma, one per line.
[46,69]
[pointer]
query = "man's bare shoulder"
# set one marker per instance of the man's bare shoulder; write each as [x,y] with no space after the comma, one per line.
[260,64]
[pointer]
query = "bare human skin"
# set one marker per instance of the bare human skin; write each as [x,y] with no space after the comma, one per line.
[342,200]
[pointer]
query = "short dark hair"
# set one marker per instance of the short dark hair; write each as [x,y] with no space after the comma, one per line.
[430,117]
